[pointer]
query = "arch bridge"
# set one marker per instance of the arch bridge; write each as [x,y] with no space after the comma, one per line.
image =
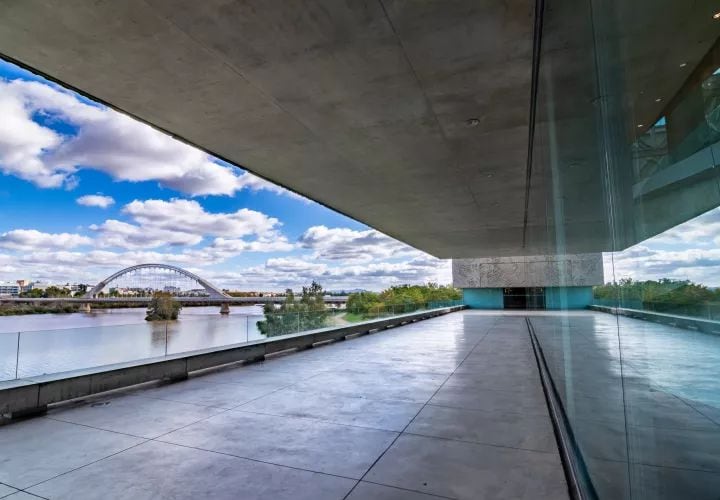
[213,291]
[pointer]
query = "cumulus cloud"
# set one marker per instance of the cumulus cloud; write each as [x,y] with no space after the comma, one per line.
[294,272]
[351,245]
[95,200]
[104,140]
[23,143]
[115,233]
[277,273]
[703,230]
[293,265]
[255,183]
[179,222]
[644,262]
[32,239]
[688,251]
[189,216]
[271,242]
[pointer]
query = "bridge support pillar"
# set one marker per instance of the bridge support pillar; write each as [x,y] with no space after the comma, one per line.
[85,307]
[225,308]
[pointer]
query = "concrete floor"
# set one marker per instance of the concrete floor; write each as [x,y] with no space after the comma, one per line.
[451,407]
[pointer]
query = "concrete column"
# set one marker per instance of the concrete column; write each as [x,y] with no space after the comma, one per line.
[85,307]
[225,308]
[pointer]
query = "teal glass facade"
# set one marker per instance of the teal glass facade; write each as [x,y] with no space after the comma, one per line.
[483,298]
[570,297]
[578,297]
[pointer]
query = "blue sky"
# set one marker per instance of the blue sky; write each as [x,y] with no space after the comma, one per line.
[85,191]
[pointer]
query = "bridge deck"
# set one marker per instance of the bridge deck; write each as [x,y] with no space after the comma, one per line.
[450,407]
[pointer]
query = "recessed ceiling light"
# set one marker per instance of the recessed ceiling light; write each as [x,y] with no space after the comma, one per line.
[716,15]
[489,175]
[472,122]
[682,65]
[658,99]
[641,125]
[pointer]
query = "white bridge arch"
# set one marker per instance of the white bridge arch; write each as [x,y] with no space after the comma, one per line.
[212,290]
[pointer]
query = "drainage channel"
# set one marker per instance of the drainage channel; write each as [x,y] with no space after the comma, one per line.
[580,486]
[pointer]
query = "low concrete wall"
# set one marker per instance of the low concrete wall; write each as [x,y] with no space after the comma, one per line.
[32,395]
[686,322]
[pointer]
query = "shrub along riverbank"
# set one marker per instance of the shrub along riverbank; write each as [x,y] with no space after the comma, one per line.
[20,309]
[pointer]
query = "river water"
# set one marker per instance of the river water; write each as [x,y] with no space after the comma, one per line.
[37,344]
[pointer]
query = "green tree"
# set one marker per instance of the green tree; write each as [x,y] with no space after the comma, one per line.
[163,307]
[306,313]
[401,298]
[363,302]
[663,295]
[34,293]
[54,291]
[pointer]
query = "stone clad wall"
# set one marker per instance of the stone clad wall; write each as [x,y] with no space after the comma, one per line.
[529,271]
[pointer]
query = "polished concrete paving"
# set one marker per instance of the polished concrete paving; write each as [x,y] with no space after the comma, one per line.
[450,407]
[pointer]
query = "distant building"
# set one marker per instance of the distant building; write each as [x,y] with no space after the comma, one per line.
[76,287]
[529,282]
[9,289]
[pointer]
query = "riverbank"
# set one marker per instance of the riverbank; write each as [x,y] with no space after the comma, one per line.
[24,309]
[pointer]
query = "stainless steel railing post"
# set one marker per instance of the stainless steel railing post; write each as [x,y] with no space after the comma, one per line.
[17,356]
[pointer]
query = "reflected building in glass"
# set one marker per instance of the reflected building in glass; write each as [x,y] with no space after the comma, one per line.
[624,161]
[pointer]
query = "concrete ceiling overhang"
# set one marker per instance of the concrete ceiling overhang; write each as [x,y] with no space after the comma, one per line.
[360,105]
[410,116]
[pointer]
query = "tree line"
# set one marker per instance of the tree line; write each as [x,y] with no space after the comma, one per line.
[51,292]
[663,295]
[404,298]
[308,310]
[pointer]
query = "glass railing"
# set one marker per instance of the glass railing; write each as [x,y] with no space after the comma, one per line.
[699,310]
[34,353]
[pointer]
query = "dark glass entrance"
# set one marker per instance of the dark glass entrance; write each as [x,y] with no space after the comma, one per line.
[524,298]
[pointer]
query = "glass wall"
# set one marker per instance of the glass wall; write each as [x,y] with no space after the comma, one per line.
[625,155]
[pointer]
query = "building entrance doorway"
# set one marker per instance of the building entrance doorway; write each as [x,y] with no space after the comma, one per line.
[524,298]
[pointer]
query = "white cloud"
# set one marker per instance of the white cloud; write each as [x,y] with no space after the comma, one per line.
[95,200]
[271,242]
[688,251]
[177,222]
[293,272]
[276,273]
[189,216]
[703,230]
[256,183]
[23,143]
[107,141]
[351,245]
[31,239]
[293,265]
[115,233]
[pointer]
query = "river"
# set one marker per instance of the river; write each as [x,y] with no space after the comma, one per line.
[51,343]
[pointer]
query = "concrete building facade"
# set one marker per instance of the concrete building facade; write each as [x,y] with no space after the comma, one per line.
[530,281]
